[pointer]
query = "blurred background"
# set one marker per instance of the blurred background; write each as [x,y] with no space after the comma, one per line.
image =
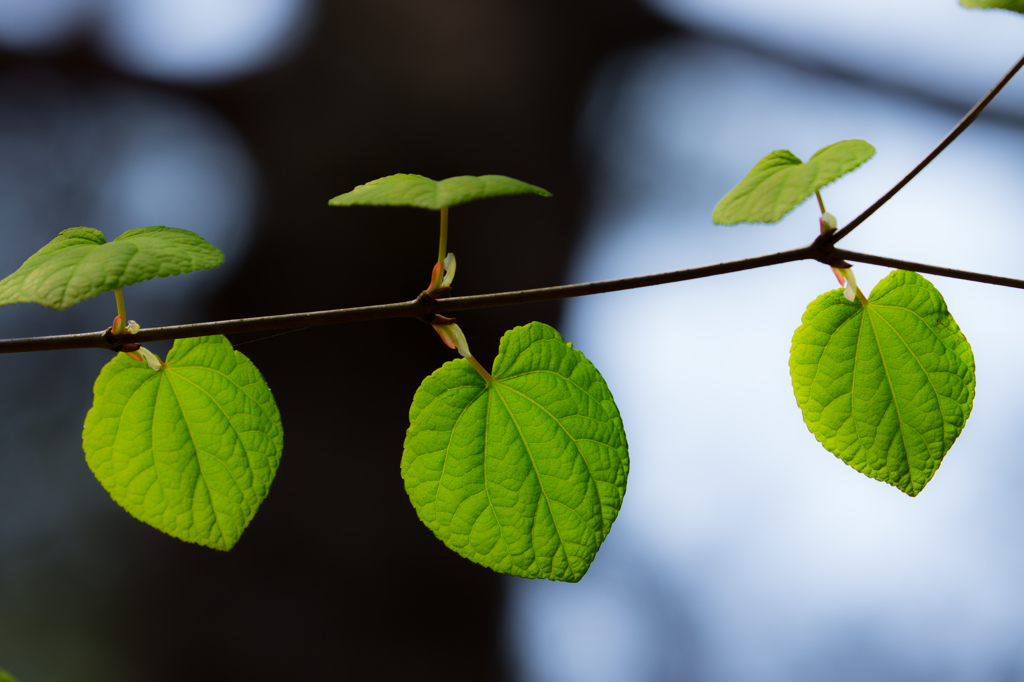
[744,551]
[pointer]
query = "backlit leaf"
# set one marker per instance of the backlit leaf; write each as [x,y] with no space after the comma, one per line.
[527,474]
[404,189]
[190,449]
[780,182]
[6,676]
[80,263]
[885,387]
[1012,5]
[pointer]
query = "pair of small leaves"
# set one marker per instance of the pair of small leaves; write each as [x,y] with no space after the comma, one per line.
[525,474]
[1012,5]
[886,387]
[404,189]
[80,263]
[780,182]
[190,449]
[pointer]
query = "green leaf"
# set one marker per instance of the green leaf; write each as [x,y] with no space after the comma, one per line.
[6,676]
[80,263]
[404,189]
[191,449]
[885,387]
[1012,5]
[780,182]
[525,475]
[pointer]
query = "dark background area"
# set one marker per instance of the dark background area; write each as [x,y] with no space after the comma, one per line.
[336,577]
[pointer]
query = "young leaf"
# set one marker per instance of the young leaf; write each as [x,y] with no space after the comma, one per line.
[885,387]
[780,182]
[1012,5]
[524,475]
[404,189]
[80,263]
[191,449]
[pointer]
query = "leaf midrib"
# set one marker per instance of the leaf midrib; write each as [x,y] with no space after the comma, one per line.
[199,461]
[238,435]
[927,377]
[579,453]
[895,402]
[565,550]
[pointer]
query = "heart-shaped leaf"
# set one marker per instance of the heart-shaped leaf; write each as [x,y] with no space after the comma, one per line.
[885,387]
[80,263]
[1012,5]
[524,475]
[192,448]
[404,189]
[780,182]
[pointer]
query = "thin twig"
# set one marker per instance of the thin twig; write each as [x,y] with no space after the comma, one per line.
[929,269]
[422,307]
[447,305]
[964,123]
[425,307]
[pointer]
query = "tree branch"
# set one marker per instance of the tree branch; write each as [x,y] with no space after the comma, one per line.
[423,307]
[929,269]
[964,123]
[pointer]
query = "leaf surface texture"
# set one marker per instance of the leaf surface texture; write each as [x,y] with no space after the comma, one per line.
[80,263]
[190,449]
[780,182]
[886,387]
[405,189]
[527,474]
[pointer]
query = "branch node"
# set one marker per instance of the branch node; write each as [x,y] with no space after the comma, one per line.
[425,304]
[117,342]
[823,250]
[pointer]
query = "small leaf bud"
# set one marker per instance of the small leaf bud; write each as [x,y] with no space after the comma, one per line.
[152,360]
[449,270]
[435,277]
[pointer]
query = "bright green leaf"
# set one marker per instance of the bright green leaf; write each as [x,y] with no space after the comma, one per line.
[80,263]
[885,387]
[780,182]
[525,475]
[190,449]
[1012,5]
[6,676]
[404,189]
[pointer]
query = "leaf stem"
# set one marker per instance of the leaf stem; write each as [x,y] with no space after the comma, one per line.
[120,304]
[480,370]
[964,123]
[442,249]
[122,318]
[821,204]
